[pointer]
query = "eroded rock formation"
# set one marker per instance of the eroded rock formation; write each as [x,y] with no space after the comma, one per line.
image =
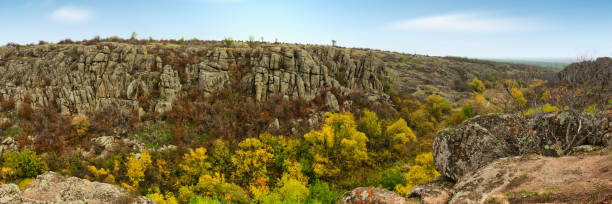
[78,78]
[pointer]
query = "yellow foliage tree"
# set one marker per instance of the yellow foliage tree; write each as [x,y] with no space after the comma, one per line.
[400,133]
[136,166]
[478,86]
[160,198]
[438,106]
[100,174]
[194,164]
[518,97]
[422,172]
[337,146]
[250,163]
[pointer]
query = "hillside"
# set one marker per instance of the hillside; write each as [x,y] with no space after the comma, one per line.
[243,122]
[542,63]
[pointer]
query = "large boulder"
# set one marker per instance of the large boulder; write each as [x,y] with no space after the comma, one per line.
[483,139]
[374,196]
[51,187]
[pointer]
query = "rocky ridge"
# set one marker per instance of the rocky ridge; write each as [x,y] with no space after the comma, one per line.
[77,78]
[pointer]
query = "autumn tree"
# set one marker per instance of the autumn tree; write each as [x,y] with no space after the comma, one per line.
[438,106]
[478,86]
[195,164]
[338,146]
[422,171]
[136,166]
[250,164]
[399,134]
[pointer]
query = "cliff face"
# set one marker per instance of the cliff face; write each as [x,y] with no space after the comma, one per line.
[77,78]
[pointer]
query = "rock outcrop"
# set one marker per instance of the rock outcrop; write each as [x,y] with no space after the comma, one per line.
[374,196]
[51,187]
[483,139]
[538,179]
[547,157]
[77,78]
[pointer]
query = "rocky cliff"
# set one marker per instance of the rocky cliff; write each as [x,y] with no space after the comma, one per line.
[149,76]
[77,78]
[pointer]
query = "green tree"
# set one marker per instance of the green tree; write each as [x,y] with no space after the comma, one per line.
[371,126]
[24,164]
[468,111]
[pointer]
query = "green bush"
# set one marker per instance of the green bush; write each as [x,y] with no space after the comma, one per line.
[320,193]
[25,164]
[468,111]
[203,200]
[292,190]
[391,178]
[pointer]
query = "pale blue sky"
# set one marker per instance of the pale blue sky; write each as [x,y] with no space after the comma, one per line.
[479,28]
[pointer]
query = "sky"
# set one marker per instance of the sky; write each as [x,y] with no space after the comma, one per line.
[518,29]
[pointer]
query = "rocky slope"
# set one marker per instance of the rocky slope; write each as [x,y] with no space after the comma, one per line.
[507,159]
[51,187]
[81,77]
[595,73]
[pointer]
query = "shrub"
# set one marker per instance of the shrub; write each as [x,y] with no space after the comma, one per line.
[391,178]
[437,106]
[592,109]
[422,172]
[478,86]
[7,104]
[229,42]
[468,111]
[321,193]
[25,164]
[80,125]
[293,190]
[26,111]
[23,184]
[198,199]
[160,198]
[518,97]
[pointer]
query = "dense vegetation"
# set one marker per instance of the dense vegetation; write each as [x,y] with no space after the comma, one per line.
[218,147]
